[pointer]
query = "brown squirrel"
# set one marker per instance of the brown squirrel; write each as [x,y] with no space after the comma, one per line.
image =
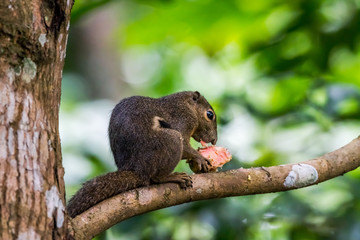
[148,138]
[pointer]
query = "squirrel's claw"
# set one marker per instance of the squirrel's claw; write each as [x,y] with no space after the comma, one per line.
[199,165]
[183,179]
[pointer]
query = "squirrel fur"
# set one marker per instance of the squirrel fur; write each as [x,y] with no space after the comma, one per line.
[148,137]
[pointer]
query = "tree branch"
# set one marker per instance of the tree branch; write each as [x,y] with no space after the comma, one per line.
[236,182]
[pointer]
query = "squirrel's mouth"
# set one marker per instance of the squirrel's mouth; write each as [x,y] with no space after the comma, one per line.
[204,143]
[204,139]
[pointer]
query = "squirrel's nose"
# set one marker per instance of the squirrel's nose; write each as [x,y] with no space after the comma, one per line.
[213,142]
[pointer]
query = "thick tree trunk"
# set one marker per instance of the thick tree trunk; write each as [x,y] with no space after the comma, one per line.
[33,36]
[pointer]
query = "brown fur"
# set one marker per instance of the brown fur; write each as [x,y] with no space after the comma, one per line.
[148,137]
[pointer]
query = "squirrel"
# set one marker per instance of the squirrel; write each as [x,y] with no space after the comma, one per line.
[148,138]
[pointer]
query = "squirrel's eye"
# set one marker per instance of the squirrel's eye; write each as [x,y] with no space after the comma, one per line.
[210,114]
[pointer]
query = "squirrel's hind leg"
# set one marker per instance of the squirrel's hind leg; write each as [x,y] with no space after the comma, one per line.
[183,179]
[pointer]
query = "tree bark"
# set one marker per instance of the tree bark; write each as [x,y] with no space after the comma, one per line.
[33,35]
[237,182]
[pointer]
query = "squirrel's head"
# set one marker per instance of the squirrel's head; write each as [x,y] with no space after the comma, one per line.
[207,128]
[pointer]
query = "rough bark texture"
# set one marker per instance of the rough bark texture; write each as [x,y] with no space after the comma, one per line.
[33,35]
[216,185]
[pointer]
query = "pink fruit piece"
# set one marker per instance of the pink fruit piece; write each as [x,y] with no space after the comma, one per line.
[217,156]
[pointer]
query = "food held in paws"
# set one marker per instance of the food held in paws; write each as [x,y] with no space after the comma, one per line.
[217,157]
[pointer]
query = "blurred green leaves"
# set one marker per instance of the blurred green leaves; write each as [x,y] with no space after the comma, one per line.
[82,7]
[277,96]
[284,79]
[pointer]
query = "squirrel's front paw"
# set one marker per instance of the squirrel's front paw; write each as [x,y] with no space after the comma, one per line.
[199,165]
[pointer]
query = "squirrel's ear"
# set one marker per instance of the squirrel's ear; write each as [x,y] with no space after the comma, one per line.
[196,95]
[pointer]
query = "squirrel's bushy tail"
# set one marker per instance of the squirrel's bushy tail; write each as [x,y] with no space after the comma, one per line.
[101,188]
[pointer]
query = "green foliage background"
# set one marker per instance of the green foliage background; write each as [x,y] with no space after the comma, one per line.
[283,77]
